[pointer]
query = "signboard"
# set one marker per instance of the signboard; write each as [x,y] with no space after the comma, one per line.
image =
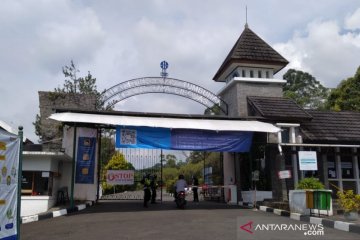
[307,161]
[183,139]
[85,163]
[284,174]
[9,162]
[120,177]
[255,175]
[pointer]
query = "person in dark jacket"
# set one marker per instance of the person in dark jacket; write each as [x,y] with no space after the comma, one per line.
[153,186]
[147,194]
[195,185]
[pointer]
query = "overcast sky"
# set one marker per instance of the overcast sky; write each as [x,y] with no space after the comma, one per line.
[120,40]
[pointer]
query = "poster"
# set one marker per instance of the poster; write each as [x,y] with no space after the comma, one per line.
[120,177]
[307,161]
[183,139]
[9,162]
[85,161]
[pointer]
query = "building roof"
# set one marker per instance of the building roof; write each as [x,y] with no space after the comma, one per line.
[250,48]
[330,127]
[99,118]
[278,109]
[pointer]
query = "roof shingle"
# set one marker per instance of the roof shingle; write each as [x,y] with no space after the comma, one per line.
[250,48]
[278,108]
[332,127]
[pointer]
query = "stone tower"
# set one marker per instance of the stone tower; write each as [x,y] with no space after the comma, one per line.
[248,70]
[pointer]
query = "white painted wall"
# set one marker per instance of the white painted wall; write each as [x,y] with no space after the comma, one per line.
[32,205]
[249,196]
[81,191]
[229,169]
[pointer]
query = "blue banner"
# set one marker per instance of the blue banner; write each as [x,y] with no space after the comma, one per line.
[85,163]
[183,139]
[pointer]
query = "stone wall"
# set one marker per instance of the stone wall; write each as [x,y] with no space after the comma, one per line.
[51,131]
[236,95]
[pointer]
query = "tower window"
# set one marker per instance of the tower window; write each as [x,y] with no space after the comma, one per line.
[243,73]
[267,74]
[259,74]
[251,73]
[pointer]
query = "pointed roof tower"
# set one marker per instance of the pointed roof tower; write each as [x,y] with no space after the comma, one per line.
[250,50]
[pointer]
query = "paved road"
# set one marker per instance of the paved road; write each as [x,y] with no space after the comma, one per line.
[205,221]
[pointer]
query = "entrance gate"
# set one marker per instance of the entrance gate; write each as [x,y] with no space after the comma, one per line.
[149,161]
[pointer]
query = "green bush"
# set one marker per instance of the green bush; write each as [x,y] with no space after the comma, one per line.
[349,201]
[310,183]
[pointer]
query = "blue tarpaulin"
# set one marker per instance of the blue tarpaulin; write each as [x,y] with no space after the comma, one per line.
[183,139]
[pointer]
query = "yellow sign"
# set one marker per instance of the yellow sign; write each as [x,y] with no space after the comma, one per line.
[2,157]
[2,202]
[2,146]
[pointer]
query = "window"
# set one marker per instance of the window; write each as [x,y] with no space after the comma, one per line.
[285,135]
[267,74]
[331,166]
[243,73]
[259,74]
[347,167]
[251,73]
[37,183]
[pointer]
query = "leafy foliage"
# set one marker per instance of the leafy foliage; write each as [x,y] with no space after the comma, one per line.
[309,183]
[348,200]
[304,89]
[346,97]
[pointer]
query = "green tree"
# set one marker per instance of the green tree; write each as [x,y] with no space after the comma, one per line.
[304,89]
[170,160]
[346,97]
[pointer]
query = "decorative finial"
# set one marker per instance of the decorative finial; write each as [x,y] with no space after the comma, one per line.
[246,23]
[164,65]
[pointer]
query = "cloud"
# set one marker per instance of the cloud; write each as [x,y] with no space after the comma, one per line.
[353,21]
[325,50]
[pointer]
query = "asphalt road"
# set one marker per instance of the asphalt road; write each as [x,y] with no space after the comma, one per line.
[203,221]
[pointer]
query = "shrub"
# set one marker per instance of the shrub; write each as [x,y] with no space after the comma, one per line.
[310,183]
[348,200]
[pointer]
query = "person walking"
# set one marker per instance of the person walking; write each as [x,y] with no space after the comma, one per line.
[195,186]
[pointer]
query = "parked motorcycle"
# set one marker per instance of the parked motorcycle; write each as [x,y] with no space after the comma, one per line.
[180,200]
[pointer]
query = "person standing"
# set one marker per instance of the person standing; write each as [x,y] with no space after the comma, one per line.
[153,186]
[195,186]
[147,194]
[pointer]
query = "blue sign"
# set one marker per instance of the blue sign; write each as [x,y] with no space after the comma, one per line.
[164,65]
[85,163]
[183,139]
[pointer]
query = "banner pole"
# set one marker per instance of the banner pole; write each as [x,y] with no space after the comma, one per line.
[73,171]
[18,211]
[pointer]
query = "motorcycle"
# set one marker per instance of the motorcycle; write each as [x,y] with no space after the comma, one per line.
[180,200]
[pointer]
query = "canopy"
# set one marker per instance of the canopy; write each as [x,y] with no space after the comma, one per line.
[166,122]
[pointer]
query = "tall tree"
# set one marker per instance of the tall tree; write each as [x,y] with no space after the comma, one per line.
[346,97]
[304,89]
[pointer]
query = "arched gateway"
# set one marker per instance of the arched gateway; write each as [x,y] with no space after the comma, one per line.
[173,86]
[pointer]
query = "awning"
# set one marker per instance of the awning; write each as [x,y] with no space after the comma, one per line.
[165,122]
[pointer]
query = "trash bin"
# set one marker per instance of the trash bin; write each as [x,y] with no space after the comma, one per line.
[309,199]
[322,199]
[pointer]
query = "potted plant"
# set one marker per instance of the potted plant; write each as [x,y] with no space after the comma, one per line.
[309,183]
[350,203]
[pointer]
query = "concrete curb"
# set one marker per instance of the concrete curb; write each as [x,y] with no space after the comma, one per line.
[58,213]
[339,225]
